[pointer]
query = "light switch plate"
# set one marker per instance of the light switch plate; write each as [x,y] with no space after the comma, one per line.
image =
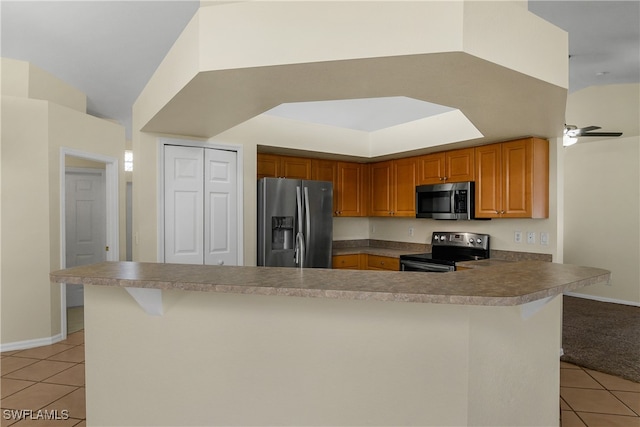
[544,238]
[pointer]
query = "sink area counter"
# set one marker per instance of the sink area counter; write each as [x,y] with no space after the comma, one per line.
[499,284]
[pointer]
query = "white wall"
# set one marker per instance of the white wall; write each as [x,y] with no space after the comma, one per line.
[602,191]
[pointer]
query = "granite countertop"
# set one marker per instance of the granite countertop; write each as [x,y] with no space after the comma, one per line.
[502,284]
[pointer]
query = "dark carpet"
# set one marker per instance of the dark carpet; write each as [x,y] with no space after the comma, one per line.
[602,336]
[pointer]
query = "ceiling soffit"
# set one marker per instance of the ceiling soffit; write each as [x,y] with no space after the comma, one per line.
[499,101]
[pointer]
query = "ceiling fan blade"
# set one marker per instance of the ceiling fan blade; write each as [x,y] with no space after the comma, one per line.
[601,134]
[582,131]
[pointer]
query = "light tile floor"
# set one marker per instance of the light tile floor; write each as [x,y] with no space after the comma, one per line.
[593,399]
[51,378]
[44,386]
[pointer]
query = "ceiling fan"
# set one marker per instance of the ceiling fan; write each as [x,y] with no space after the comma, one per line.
[572,133]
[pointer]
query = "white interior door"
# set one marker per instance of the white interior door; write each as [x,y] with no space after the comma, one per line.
[220,208]
[200,206]
[184,198]
[85,224]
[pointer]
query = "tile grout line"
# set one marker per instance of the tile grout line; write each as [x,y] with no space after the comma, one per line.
[613,394]
[43,381]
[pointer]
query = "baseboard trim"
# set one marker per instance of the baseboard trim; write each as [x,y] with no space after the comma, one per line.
[602,299]
[23,345]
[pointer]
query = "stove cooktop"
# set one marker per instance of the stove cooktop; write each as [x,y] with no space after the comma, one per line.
[440,259]
[449,248]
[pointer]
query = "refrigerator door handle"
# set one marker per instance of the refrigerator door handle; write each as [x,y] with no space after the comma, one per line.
[307,220]
[300,249]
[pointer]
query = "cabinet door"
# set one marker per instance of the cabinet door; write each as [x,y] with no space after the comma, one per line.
[488,181]
[351,262]
[525,168]
[376,262]
[268,166]
[350,189]
[404,177]
[460,165]
[381,189]
[296,167]
[516,179]
[324,170]
[431,168]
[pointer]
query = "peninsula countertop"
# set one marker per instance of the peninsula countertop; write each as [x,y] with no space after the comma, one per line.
[505,284]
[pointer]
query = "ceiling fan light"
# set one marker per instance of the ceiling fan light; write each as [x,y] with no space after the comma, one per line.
[568,140]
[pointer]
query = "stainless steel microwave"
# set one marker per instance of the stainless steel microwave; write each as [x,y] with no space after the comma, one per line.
[446,201]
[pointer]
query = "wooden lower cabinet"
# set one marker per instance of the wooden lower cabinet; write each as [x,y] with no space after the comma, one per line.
[377,262]
[348,262]
[365,262]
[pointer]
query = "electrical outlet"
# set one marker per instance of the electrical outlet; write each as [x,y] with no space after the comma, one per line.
[531,237]
[410,231]
[544,238]
[517,236]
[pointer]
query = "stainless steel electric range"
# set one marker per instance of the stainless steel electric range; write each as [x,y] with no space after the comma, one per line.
[447,249]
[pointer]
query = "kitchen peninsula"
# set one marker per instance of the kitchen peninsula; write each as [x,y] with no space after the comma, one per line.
[276,346]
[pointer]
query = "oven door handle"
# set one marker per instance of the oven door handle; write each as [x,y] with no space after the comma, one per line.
[435,268]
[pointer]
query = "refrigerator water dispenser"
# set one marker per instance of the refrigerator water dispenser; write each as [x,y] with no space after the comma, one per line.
[282,232]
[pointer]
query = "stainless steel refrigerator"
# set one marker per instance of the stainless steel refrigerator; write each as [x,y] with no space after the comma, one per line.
[295,223]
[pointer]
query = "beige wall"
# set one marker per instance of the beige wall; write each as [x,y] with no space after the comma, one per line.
[25,264]
[231,359]
[25,80]
[602,187]
[33,131]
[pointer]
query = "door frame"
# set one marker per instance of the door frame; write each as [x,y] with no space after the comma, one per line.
[239,187]
[112,216]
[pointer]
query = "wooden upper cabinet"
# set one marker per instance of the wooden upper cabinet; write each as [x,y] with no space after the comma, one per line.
[296,167]
[276,166]
[393,187]
[448,166]
[488,186]
[512,179]
[460,165]
[381,184]
[351,189]
[268,166]
[404,198]
[324,170]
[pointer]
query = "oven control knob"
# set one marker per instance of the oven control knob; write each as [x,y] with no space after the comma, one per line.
[478,241]
[471,240]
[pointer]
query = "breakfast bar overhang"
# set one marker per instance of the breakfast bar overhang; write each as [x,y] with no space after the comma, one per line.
[276,346]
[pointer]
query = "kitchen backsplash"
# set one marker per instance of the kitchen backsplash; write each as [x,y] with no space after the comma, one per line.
[420,248]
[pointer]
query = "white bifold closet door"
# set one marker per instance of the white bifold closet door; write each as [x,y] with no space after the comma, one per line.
[200,214]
